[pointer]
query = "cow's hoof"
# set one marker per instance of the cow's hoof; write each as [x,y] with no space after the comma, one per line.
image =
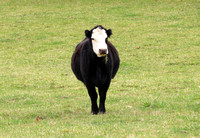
[102,112]
[94,113]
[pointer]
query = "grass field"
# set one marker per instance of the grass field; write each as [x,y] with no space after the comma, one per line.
[156,92]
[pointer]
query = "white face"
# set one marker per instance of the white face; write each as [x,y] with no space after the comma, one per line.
[100,47]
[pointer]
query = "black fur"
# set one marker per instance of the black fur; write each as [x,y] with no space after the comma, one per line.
[95,71]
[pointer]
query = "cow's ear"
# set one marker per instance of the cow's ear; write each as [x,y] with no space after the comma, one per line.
[88,33]
[109,32]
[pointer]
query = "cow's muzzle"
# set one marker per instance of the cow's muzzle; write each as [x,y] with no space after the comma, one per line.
[102,51]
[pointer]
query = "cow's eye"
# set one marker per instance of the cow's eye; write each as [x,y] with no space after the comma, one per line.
[92,38]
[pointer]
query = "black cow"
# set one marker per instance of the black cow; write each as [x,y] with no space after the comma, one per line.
[95,62]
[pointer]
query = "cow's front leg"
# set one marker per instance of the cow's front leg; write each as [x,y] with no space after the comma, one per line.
[102,93]
[93,96]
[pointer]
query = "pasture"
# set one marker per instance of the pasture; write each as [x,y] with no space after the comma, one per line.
[156,92]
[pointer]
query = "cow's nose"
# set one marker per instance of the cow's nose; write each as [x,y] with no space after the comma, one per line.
[102,51]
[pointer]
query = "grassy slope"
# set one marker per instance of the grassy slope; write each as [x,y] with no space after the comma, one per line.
[155,93]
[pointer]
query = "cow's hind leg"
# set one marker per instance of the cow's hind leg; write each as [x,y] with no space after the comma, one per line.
[93,96]
[102,93]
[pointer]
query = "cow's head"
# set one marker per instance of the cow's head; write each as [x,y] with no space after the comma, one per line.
[99,36]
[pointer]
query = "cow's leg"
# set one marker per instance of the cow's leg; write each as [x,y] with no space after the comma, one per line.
[93,96]
[102,93]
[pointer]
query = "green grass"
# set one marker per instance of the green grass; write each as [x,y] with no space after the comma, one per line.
[156,92]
